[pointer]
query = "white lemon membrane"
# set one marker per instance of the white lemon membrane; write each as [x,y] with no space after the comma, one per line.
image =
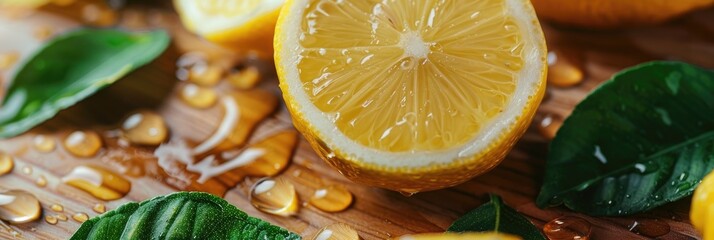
[220,15]
[527,82]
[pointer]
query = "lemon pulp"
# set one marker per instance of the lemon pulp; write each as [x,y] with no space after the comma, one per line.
[401,76]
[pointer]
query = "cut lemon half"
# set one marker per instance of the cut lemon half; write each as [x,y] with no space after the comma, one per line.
[243,25]
[411,95]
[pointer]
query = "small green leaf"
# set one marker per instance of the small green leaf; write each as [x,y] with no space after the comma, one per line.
[182,215]
[495,216]
[641,140]
[70,68]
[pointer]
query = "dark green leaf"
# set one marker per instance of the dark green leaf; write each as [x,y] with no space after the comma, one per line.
[643,139]
[182,215]
[495,216]
[70,68]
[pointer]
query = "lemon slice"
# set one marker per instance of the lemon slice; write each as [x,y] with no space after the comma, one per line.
[411,95]
[241,25]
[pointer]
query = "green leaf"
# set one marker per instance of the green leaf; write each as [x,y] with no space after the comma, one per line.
[495,216]
[182,215]
[641,140]
[70,68]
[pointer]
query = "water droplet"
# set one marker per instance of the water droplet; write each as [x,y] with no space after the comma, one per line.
[549,125]
[563,72]
[100,183]
[205,75]
[99,208]
[51,219]
[80,217]
[198,97]
[274,196]
[27,170]
[333,198]
[41,181]
[17,206]
[599,155]
[43,32]
[7,163]
[43,143]
[61,217]
[83,143]
[57,207]
[407,64]
[246,78]
[568,228]
[649,227]
[336,231]
[683,176]
[664,115]
[145,128]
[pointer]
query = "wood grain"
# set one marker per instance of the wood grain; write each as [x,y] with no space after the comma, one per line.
[376,213]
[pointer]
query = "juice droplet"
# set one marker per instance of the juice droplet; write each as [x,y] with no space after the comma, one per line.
[261,104]
[549,125]
[43,32]
[563,72]
[333,198]
[99,208]
[198,97]
[80,217]
[17,206]
[100,183]
[41,181]
[145,128]
[27,170]
[336,231]
[133,19]
[278,151]
[6,163]
[44,143]
[57,208]
[205,74]
[51,219]
[7,60]
[96,15]
[274,196]
[649,227]
[245,78]
[61,217]
[83,143]
[567,227]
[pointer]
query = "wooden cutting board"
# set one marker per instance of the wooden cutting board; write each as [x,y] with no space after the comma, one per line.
[375,213]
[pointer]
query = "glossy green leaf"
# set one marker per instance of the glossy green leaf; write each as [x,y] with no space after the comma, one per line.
[70,68]
[495,216]
[641,140]
[182,215]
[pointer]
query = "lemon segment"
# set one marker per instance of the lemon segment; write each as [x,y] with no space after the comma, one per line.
[411,95]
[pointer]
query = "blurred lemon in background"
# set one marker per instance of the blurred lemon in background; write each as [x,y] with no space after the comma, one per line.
[244,26]
[614,13]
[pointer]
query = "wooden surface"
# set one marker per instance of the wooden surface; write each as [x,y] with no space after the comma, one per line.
[375,213]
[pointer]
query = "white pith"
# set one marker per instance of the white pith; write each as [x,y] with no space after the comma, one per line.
[216,23]
[527,85]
